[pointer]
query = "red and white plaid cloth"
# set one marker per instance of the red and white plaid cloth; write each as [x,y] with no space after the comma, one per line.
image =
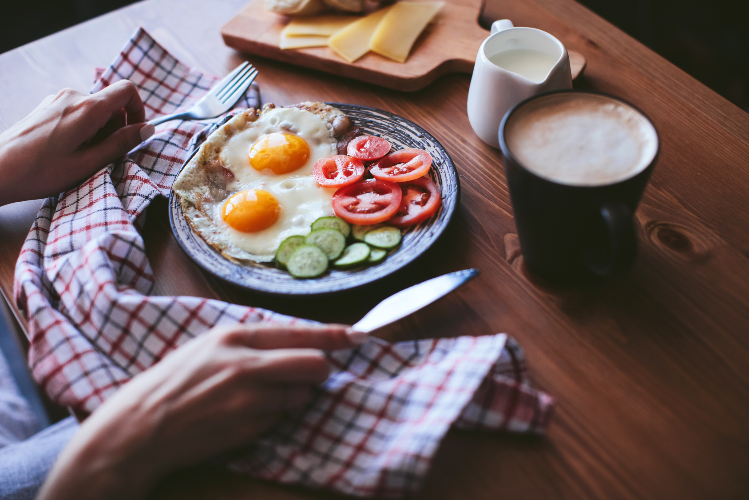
[84,281]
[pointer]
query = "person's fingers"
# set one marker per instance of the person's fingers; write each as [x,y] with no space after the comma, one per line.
[257,425]
[279,398]
[297,397]
[116,145]
[325,337]
[115,123]
[308,366]
[124,95]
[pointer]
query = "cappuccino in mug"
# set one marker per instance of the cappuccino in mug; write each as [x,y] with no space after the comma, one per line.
[577,164]
[581,139]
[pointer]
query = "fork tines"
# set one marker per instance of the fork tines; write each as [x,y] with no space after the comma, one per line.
[239,83]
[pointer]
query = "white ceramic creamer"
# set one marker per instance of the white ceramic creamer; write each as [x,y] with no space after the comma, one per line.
[513,64]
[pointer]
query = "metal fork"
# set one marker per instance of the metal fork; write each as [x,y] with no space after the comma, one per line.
[220,99]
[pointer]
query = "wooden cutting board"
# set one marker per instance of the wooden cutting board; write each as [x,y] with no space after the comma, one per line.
[448,45]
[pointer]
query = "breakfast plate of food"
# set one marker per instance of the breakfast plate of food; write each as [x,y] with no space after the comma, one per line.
[312,198]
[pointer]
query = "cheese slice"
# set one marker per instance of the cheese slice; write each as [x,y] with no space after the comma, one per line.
[353,41]
[299,42]
[400,28]
[317,26]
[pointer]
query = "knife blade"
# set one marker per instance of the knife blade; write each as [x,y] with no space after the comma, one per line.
[412,299]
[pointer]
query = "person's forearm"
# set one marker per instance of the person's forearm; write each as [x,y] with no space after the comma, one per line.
[11,170]
[107,458]
[86,472]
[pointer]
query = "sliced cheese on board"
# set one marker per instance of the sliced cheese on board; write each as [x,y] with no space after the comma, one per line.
[299,42]
[353,41]
[317,26]
[401,27]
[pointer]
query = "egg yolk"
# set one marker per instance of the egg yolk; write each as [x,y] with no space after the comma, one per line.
[281,153]
[251,211]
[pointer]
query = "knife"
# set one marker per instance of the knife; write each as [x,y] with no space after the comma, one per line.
[412,299]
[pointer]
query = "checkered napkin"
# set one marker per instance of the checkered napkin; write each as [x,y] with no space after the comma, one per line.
[84,281]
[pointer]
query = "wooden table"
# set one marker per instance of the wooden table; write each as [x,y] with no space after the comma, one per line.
[649,370]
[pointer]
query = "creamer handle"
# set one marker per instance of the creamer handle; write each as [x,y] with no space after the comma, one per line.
[500,25]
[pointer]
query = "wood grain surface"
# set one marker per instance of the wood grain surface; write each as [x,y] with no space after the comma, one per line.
[448,45]
[650,370]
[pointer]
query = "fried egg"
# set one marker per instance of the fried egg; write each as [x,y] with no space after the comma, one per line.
[251,185]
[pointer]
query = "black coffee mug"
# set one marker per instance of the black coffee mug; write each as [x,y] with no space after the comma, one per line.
[573,233]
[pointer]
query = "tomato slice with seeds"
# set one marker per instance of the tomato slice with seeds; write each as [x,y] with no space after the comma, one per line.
[338,171]
[402,166]
[367,202]
[368,147]
[420,199]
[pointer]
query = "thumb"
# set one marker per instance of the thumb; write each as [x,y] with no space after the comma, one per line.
[119,143]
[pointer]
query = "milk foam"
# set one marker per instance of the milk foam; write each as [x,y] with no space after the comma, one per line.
[581,139]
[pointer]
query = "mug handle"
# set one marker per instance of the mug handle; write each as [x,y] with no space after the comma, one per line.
[500,25]
[621,240]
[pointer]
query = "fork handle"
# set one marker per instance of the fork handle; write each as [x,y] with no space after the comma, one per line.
[166,118]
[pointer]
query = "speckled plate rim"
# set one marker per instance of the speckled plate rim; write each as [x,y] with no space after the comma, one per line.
[269,280]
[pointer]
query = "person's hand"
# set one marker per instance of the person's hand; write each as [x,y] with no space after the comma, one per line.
[67,138]
[212,394]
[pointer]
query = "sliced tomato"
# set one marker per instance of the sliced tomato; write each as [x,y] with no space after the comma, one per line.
[420,199]
[367,202]
[368,147]
[338,171]
[402,166]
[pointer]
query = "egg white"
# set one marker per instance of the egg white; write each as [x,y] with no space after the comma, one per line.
[300,197]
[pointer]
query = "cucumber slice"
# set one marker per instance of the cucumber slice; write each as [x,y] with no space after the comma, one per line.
[377,255]
[332,223]
[386,237]
[308,261]
[354,254]
[287,248]
[331,241]
[359,232]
